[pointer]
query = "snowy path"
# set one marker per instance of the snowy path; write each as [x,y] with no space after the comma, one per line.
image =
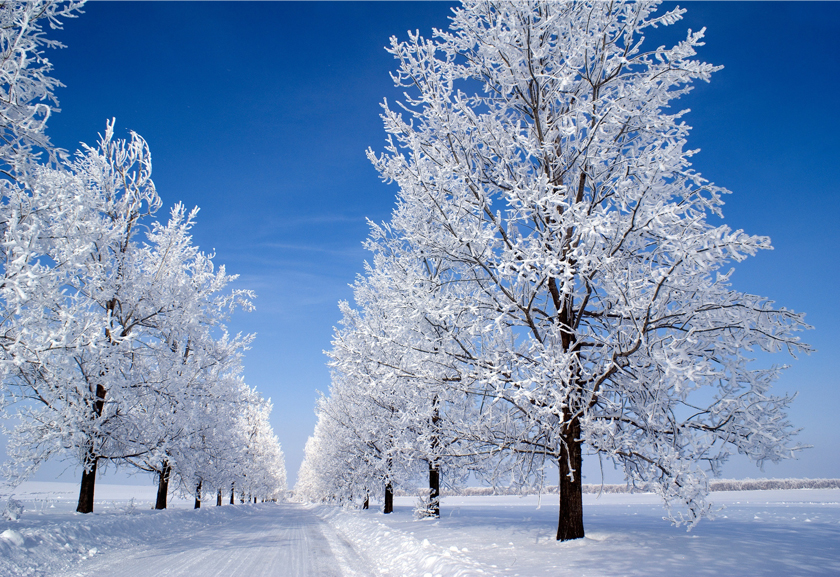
[281,540]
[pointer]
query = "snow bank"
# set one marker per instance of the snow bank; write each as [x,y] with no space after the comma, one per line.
[49,536]
[398,553]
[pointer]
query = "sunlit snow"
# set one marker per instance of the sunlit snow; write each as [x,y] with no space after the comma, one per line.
[785,532]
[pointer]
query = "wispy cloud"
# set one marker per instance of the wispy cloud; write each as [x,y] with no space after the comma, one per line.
[343,251]
[302,220]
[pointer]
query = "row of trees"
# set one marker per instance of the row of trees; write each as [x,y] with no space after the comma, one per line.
[551,280]
[114,348]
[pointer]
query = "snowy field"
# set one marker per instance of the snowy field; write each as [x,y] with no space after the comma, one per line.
[784,533]
[790,532]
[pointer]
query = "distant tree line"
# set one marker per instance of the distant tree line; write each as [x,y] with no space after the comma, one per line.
[594,488]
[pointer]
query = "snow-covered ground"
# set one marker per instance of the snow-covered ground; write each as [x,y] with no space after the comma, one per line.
[791,532]
[126,538]
[784,533]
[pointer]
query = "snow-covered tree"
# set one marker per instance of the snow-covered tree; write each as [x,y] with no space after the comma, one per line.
[76,325]
[317,476]
[390,418]
[231,445]
[544,179]
[122,353]
[187,367]
[262,467]
[26,89]
[26,102]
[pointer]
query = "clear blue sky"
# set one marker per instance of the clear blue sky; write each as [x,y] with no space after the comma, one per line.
[260,114]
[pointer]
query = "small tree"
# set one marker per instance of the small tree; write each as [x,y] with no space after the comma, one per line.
[543,174]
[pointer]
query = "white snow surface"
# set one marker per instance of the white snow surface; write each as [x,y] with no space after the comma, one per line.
[787,532]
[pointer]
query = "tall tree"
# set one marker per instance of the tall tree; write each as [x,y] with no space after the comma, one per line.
[542,171]
[77,328]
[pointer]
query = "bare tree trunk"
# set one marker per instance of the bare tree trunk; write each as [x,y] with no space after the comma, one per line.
[85,504]
[219,498]
[198,496]
[389,499]
[163,485]
[366,504]
[231,493]
[570,524]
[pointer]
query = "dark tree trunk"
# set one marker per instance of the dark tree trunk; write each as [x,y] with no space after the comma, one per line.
[434,466]
[198,496]
[366,504]
[163,485]
[86,489]
[231,493]
[88,484]
[219,498]
[570,460]
[434,490]
[570,524]
[389,499]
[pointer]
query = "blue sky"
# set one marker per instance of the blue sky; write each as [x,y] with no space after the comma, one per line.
[260,114]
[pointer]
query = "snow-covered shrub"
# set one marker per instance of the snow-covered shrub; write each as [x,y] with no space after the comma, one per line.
[13,510]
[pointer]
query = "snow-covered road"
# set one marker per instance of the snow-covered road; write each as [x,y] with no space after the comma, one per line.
[284,539]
